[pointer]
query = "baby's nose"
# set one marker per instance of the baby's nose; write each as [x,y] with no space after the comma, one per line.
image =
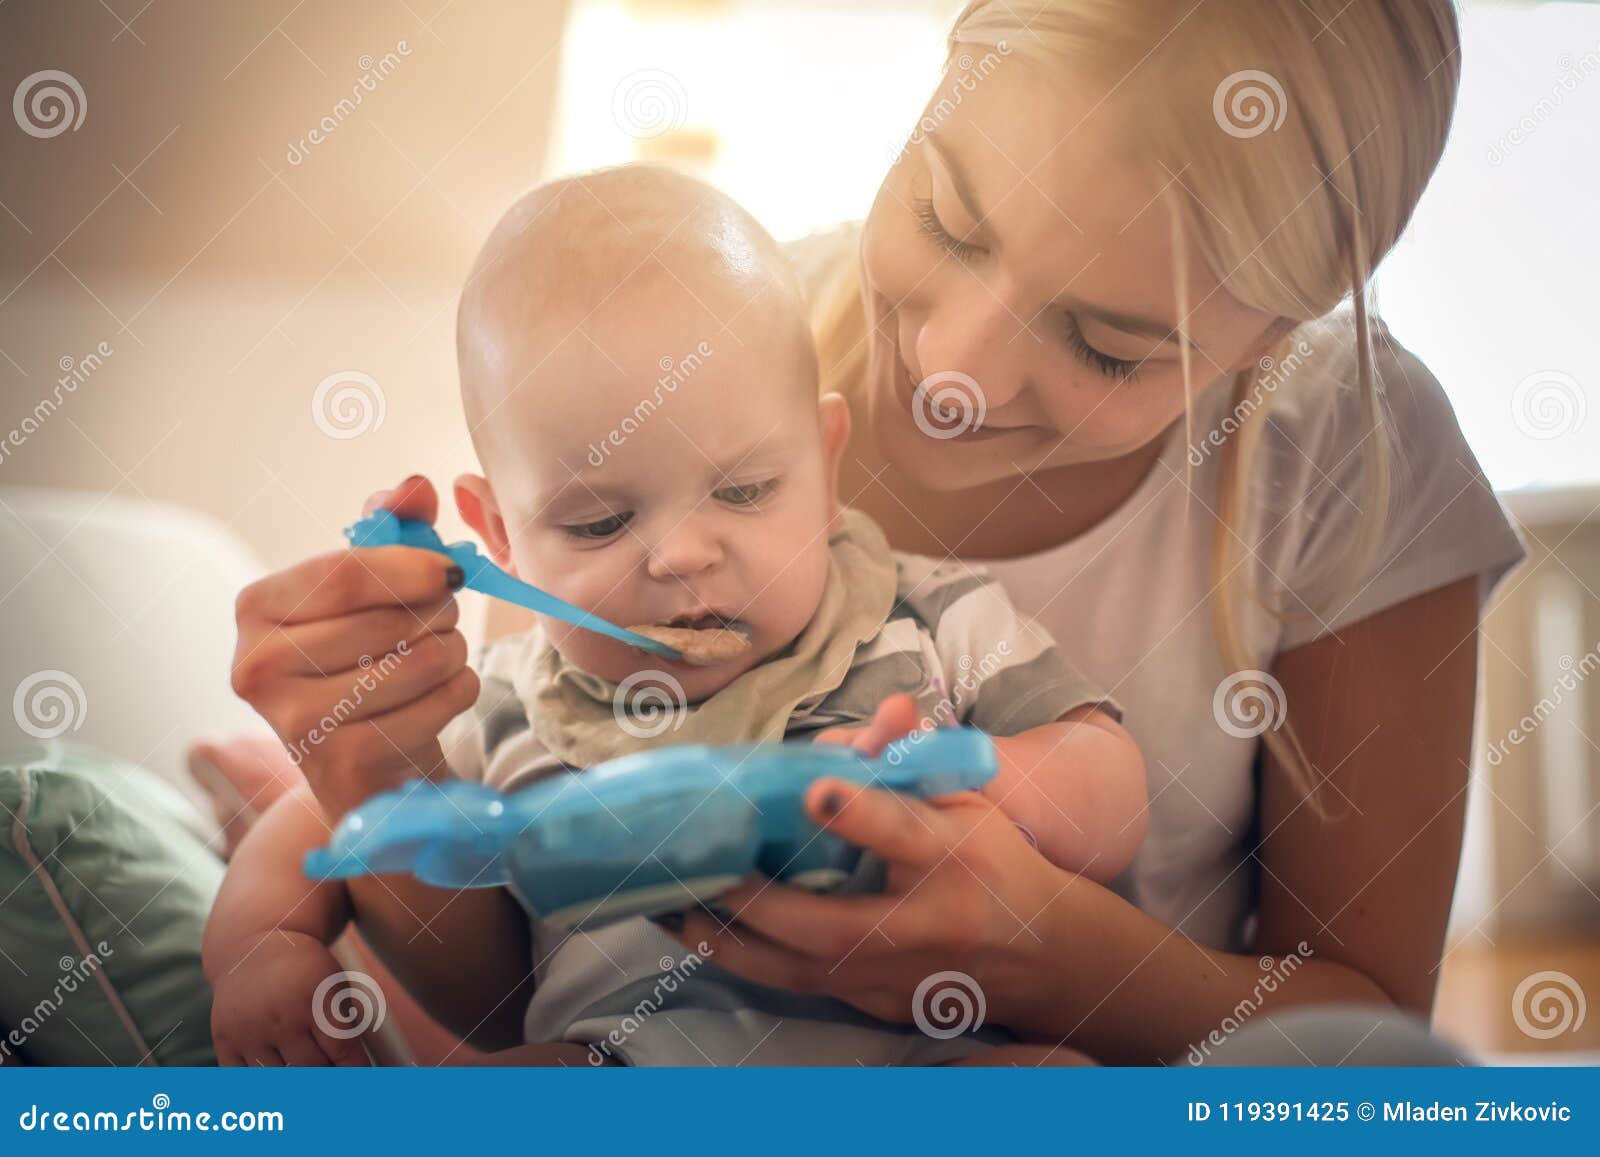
[685,550]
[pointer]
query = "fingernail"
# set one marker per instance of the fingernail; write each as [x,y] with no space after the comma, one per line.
[454,578]
[410,478]
[832,804]
[671,921]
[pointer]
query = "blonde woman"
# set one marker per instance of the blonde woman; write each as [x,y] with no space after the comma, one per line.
[1106,329]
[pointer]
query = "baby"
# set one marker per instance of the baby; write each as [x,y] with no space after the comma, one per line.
[641,387]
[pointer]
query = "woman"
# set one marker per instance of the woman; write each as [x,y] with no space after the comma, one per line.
[1088,335]
[1110,252]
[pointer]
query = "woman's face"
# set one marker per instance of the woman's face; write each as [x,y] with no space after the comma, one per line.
[1020,262]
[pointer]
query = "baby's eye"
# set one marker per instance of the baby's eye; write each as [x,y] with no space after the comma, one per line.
[604,528]
[747,494]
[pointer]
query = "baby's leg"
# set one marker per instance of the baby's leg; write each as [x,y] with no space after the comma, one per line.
[1030,1055]
[551,1054]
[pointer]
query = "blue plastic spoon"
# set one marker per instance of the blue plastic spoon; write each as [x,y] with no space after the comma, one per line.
[384,528]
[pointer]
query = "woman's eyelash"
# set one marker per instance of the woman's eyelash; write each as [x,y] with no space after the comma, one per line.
[1114,368]
[928,221]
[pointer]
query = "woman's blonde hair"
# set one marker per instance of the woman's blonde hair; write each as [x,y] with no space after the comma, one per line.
[1251,104]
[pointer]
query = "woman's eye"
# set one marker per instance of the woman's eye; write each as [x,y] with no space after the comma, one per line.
[928,221]
[746,495]
[1115,368]
[604,528]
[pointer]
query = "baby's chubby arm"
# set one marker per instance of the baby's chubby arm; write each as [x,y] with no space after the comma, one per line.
[1078,786]
[464,955]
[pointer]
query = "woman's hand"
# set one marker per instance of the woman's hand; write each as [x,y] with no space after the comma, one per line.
[963,890]
[354,659]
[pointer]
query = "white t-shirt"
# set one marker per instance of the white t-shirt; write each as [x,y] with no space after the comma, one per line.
[1129,599]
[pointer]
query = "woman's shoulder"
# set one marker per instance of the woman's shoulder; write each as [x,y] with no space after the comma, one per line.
[1318,422]
[816,256]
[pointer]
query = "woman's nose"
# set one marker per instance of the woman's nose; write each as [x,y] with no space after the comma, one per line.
[976,336]
[686,549]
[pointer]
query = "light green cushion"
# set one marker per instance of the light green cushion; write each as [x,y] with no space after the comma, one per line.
[104,892]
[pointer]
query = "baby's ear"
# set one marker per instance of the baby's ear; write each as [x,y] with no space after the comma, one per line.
[476,501]
[833,413]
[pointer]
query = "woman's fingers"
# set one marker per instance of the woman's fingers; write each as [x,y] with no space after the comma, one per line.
[348,581]
[899,828]
[415,499]
[332,646]
[301,1051]
[748,953]
[830,929]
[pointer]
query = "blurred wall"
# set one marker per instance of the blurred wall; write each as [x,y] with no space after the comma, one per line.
[261,197]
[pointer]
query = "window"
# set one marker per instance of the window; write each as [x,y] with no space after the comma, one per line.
[794,107]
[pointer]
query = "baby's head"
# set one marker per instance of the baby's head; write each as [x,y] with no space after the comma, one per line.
[641,387]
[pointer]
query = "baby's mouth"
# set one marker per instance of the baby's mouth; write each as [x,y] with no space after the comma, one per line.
[703,640]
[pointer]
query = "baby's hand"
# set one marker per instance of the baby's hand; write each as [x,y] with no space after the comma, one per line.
[267,1011]
[895,718]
